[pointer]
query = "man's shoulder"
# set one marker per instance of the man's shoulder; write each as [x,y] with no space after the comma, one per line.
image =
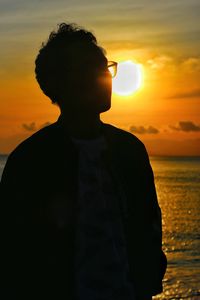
[121,135]
[34,144]
[125,145]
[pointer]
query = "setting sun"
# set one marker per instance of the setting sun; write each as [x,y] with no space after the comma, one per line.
[128,79]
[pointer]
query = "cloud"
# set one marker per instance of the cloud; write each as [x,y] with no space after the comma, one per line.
[159,62]
[191,64]
[29,127]
[143,130]
[32,126]
[186,126]
[186,65]
[189,94]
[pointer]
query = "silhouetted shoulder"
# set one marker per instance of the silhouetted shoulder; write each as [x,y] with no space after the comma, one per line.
[36,145]
[126,140]
[34,149]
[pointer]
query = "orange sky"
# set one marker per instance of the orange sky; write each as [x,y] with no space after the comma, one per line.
[162,37]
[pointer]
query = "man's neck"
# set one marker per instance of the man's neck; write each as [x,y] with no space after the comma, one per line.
[81,126]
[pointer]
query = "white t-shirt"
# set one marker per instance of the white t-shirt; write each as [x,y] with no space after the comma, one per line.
[101,258]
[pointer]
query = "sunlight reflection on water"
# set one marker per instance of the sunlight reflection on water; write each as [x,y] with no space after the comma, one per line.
[178,188]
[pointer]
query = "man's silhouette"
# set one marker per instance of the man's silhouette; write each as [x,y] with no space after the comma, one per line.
[79,210]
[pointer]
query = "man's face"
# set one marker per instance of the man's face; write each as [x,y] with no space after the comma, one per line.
[89,82]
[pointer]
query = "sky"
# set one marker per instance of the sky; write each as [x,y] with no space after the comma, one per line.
[163,37]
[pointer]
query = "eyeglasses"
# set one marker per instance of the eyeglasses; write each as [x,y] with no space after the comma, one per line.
[112,67]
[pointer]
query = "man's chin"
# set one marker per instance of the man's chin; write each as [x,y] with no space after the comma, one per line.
[105,107]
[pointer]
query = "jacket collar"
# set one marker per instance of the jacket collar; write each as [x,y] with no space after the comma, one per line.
[106,129]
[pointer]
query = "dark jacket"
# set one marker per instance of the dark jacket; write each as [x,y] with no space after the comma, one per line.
[43,170]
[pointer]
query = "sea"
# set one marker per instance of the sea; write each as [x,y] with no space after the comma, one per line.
[177,181]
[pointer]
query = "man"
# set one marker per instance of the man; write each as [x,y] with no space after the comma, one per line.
[79,208]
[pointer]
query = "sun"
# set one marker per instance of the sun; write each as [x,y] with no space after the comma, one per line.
[128,79]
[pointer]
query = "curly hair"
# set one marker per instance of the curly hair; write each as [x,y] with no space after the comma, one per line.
[51,59]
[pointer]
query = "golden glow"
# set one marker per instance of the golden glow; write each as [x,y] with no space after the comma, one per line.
[128,79]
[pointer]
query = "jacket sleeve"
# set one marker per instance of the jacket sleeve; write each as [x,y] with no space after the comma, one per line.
[154,223]
[156,217]
[13,233]
[144,225]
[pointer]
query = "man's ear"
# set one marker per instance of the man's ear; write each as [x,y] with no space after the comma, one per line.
[53,89]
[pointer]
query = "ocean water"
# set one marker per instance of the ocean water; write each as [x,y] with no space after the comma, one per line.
[177,182]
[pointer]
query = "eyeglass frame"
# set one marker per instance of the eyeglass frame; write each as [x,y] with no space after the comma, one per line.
[111,64]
